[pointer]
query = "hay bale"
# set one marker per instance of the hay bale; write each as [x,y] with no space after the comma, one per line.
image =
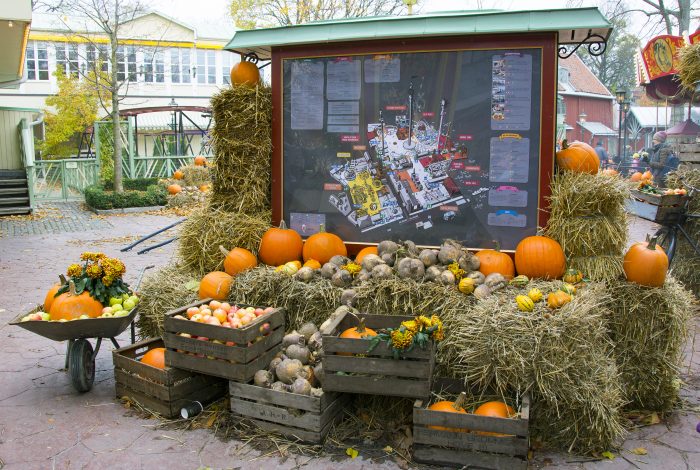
[242,142]
[599,268]
[590,235]
[649,328]
[689,66]
[194,175]
[581,194]
[686,262]
[210,226]
[161,291]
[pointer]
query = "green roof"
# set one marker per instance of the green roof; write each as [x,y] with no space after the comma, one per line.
[572,24]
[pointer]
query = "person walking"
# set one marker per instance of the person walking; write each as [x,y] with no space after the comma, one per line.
[659,154]
[602,154]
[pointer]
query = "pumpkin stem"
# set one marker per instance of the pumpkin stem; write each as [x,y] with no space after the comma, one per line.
[360,328]
[497,244]
[283,225]
[322,228]
[62,278]
[71,287]
[652,243]
[460,401]
[223,250]
[564,144]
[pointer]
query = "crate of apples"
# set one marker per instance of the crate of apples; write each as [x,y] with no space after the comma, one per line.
[224,314]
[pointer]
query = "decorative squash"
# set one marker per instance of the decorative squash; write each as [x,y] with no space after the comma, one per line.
[535,294]
[204,188]
[578,157]
[238,260]
[216,284]
[245,73]
[572,276]
[288,268]
[493,261]
[322,246]
[297,264]
[200,160]
[178,175]
[525,303]
[610,172]
[446,406]
[370,250]
[636,176]
[558,299]
[174,189]
[466,285]
[280,245]
[646,264]
[494,409]
[313,264]
[520,280]
[568,288]
[540,257]
[70,306]
[155,358]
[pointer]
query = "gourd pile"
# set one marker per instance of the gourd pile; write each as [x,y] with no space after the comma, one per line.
[188,185]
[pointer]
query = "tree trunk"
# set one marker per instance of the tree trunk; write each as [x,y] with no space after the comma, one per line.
[117,144]
[684,16]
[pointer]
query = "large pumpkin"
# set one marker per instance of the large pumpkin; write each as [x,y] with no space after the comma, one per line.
[245,73]
[370,250]
[238,260]
[322,246]
[578,157]
[646,264]
[51,296]
[216,284]
[494,409]
[70,306]
[280,245]
[540,257]
[493,261]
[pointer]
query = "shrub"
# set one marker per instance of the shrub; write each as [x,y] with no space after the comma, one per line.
[98,198]
[137,184]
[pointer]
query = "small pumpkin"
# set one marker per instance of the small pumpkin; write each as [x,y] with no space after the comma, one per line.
[280,245]
[494,409]
[216,284]
[178,175]
[370,250]
[578,157]
[204,188]
[573,276]
[525,303]
[466,285]
[359,332]
[238,260]
[646,264]
[520,280]
[447,406]
[568,288]
[647,175]
[312,263]
[323,246]
[610,172]
[636,176]
[155,358]
[540,257]
[287,268]
[245,73]
[70,305]
[174,189]
[558,299]
[200,160]
[494,261]
[535,294]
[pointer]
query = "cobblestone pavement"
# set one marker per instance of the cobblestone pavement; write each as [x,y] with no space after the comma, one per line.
[45,424]
[53,217]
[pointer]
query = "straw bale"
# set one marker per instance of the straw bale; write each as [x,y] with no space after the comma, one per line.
[689,66]
[581,194]
[649,327]
[599,268]
[194,175]
[161,291]
[590,235]
[686,262]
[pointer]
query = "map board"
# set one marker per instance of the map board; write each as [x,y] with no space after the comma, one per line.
[418,146]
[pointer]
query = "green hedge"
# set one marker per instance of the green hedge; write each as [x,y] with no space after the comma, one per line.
[99,198]
[137,184]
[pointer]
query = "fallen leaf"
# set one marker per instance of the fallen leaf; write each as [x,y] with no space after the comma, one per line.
[652,419]
[352,452]
[608,455]
[388,449]
[211,420]
[639,451]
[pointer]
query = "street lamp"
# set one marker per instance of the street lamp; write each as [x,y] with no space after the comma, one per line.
[625,109]
[620,98]
[174,105]
[581,121]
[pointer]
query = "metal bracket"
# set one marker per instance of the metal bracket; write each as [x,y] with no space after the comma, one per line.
[595,48]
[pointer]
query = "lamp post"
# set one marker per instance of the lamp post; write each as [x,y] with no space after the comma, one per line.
[620,98]
[174,105]
[581,121]
[625,110]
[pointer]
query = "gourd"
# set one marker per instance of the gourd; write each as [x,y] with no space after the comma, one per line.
[305,274]
[540,257]
[312,263]
[558,299]
[446,406]
[495,281]
[410,268]
[328,270]
[466,285]
[178,175]
[636,176]
[70,305]
[428,258]
[245,73]
[174,189]
[290,268]
[263,378]
[322,246]
[578,158]
[238,260]
[493,261]
[286,371]
[525,303]
[370,250]
[155,358]
[482,291]
[572,276]
[519,281]
[280,245]
[568,288]
[535,294]
[646,264]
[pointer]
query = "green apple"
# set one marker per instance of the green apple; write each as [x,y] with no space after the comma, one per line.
[117,307]
[125,296]
[115,300]
[62,320]
[45,316]
[107,315]
[129,304]
[83,317]
[121,313]
[134,299]
[25,318]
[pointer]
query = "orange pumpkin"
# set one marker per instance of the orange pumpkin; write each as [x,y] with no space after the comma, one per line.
[558,299]
[646,264]
[70,306]
[370,250]
[155,358]
[245,73]
[322,246]
[216,284]
[494,409]
[578,157]
[358,332]
[610,172]
[280,245]
[636,176]
[493,261]
[200,160]
[238,260]
[174,189]
[51,296]
[540,257]
[446,406]
[204,188]
[178,175]
[647,175]
[313,264]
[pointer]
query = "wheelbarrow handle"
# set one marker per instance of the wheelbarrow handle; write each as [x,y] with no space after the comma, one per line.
[137,285]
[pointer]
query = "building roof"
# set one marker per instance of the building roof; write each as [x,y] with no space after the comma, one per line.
[572,24]
[652,116]
[163,120]
[580,79]
[598,128]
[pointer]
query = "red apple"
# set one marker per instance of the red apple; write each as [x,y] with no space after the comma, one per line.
[269,309]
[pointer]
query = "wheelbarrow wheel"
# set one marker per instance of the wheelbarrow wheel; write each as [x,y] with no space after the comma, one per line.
[81,365]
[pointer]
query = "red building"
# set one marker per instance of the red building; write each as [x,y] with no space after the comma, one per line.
[587,105]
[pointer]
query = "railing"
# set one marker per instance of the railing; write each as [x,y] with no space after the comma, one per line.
[66,180]
[154,167]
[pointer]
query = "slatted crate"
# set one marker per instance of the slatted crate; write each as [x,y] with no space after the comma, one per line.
[470,449]
[164,391]
[296,416]
[238,363]
[350,368]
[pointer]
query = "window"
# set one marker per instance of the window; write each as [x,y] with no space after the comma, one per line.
[180,65]
[97,55]
[126,63]
[153,66]
[67,57]
[37,61]
[206,67]
[227,61]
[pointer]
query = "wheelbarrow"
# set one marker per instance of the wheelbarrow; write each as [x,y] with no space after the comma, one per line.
[80,355]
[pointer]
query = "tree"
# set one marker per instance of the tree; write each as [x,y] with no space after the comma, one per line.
[250,14]
[668,14]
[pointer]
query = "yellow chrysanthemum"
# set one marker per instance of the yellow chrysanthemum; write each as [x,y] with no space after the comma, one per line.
[74,270]
[107,280]
[94,271]
[411,325]
[352,268]
[113,267]
[401,339]
[424,321]
[458,272]
[91,256]
[439,334]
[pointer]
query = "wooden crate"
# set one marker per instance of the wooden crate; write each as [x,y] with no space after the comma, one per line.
[376,372]
[239,362]
[297,416]
[659,199]
[164,391]
[652,212]
[459,449]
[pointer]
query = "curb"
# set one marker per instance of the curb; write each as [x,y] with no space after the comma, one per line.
[125,210]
